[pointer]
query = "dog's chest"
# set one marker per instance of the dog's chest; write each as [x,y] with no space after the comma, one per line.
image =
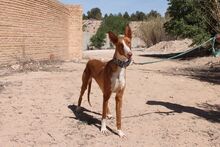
[118,80]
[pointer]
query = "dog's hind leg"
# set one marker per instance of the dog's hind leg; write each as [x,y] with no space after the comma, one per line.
[89,90]
[85,80]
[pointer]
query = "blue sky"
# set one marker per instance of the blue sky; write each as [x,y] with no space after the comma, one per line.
[116,6]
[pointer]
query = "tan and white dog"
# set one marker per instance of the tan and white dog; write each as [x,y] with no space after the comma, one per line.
[110,76]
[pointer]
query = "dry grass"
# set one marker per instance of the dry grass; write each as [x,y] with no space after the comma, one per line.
[152,31]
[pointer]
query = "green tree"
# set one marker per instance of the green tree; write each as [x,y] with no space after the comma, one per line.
[133,17]
[140,15]
[119,14]
[95,13]
[126,16]
[110,15]
[137,16]
[98,40]
[112,23]
[106,15]
[85,17]
[152,15]
[190,19]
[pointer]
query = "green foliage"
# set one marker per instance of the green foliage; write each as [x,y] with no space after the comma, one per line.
[112,23]
[119,14]
[85,17]
[98,40]
[190,19]
[126,16]
[106,15]
[94,13]
[137,16]
[152,14]
[115,24]
[111,14]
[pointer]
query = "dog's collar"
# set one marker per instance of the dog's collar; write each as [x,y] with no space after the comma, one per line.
[122,64]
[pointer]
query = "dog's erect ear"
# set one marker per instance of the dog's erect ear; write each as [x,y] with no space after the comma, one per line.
[113,37]
[128,32]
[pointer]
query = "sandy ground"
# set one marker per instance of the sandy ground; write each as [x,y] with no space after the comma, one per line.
[167,104]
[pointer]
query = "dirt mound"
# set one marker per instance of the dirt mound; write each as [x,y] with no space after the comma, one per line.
[91,26]
[171,46]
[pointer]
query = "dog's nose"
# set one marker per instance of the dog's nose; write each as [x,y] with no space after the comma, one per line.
[130,54]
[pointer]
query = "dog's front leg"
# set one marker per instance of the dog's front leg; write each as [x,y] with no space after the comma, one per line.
[104,112]
[118,100]
[109,115]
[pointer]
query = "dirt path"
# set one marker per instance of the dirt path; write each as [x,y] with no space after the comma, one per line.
[165,104]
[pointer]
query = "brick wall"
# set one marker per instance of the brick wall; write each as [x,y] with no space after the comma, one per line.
[39,29]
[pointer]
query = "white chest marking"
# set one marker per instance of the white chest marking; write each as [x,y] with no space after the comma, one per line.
[118,80]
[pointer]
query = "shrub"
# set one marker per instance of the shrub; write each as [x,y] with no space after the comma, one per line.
[152,31]
[98,40]
[112,23]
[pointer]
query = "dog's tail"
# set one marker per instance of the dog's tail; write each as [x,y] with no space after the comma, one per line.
[89,90]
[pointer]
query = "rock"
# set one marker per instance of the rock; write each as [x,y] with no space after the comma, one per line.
[16,67]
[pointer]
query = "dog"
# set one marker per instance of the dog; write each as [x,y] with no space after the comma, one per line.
[110,76]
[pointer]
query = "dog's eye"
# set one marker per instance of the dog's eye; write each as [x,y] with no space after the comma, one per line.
[121,45]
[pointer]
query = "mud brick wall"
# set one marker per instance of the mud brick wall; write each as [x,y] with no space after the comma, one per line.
[39,30]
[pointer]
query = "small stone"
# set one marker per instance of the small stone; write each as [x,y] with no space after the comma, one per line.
[15,67]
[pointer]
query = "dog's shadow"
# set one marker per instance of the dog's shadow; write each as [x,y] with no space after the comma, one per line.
[84,116]
[210,115]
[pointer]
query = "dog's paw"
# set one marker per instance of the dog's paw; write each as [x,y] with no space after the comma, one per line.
[103,127]
[109,116]
[121,134]
[104,131]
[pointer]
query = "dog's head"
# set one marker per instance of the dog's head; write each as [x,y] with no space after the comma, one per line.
[122,43]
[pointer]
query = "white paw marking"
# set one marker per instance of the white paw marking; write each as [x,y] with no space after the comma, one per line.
[104,131]
[109,116]
[121,134]
[103,127]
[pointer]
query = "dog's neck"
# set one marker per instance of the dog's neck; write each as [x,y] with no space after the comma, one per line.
[120,60]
